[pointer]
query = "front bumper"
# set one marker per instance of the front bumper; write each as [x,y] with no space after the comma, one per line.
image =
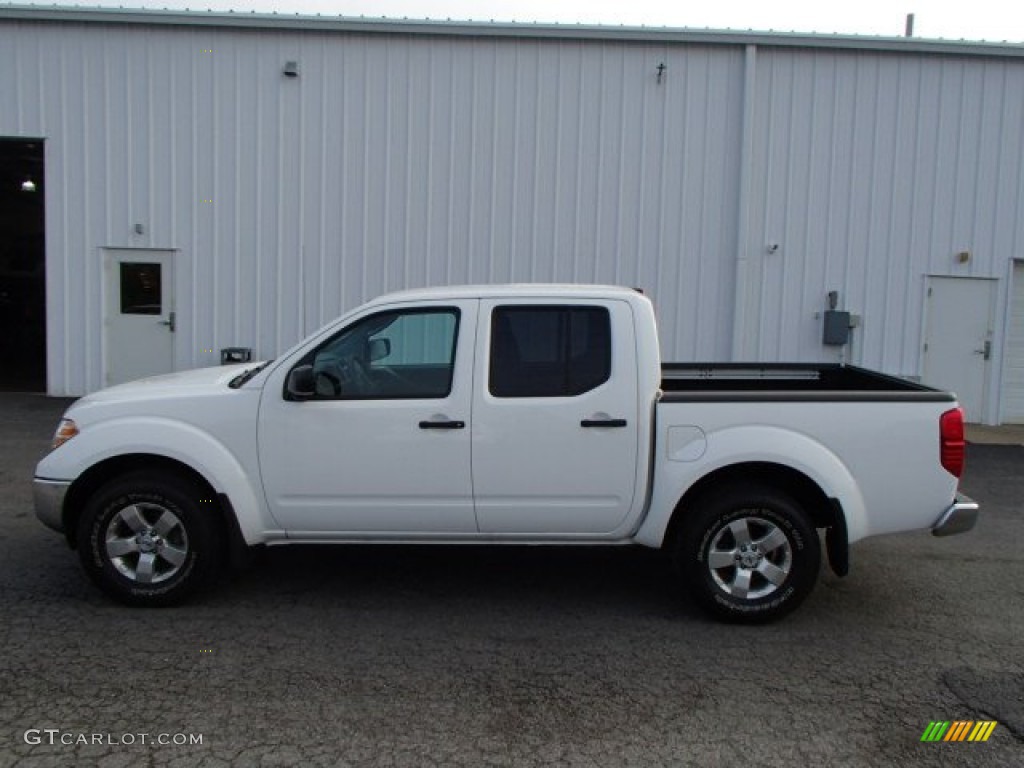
[48,496]
[959,518]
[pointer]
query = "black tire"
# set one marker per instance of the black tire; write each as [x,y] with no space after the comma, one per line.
[757,580]
[150,538]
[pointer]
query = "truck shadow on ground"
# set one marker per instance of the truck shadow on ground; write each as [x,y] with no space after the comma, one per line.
[620,578]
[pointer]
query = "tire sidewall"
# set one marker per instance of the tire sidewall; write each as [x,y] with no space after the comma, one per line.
[709,520]
[179,498]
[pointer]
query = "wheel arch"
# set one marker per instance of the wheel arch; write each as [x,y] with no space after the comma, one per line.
[824,511]
[92,479]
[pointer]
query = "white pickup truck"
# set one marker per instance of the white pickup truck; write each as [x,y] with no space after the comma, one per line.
[529,414]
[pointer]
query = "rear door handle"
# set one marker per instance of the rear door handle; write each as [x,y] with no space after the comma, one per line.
[603,423]
[442,425]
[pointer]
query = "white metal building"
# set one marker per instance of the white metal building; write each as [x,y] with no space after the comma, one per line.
[280,170]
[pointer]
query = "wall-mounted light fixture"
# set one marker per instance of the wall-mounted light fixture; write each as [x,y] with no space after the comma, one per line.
[28,185]
[291,69]
[963,257]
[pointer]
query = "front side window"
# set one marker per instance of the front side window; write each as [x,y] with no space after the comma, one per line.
[549,351]
[390,355]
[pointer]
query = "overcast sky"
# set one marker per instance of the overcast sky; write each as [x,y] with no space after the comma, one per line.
[963,19]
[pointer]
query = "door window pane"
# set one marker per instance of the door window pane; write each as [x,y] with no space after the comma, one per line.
[390,355]
[140,288]
[549,351]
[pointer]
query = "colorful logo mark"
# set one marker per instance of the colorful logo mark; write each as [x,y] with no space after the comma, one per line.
[959,730]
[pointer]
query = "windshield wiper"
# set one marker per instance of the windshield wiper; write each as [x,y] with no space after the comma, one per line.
[244,376]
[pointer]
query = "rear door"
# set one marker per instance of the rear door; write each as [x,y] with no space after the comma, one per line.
[554,417]
[139,321]
[958,339]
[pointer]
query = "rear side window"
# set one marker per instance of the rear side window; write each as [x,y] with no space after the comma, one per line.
[549,351]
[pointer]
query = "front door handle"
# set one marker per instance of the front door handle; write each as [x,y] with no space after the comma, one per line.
[603,423]
[442,425]
[169,322]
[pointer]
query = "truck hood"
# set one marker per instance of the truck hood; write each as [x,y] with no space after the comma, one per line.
[194,382]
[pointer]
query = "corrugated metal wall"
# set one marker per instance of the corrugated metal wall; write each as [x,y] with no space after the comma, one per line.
[870,172]
[402,160]
[390,162]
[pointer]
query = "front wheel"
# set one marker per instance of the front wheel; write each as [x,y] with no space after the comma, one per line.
[145,540]
[748,554]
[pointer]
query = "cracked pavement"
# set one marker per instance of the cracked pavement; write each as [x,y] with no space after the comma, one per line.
[400,656]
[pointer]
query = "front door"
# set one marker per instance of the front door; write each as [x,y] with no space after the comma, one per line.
[383,446]
[140,320]
[958,339]
[555,420]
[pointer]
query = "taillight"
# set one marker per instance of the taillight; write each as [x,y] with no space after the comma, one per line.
[951,436]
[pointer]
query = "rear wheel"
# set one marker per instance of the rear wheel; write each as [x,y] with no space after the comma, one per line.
[145,540]
[748,554]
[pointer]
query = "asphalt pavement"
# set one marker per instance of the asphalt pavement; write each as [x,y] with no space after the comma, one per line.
[400,656]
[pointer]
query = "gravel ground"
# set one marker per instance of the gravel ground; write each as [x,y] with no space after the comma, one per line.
[401,656]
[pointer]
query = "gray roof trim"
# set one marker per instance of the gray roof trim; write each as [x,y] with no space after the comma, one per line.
[361,25]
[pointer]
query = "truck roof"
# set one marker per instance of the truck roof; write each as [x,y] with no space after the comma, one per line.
[510,290]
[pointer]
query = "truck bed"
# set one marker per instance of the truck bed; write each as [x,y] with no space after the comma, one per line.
[693,382]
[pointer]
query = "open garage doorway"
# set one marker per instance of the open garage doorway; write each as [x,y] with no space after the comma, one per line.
[22,266]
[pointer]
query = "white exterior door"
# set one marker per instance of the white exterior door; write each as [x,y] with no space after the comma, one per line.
[1013,365]
[555,427]
[139,323]
[958,339]
[383,447]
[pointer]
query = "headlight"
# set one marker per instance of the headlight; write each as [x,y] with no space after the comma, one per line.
[65,431]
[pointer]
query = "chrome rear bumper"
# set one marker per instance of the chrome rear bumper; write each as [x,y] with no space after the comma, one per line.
[959,518]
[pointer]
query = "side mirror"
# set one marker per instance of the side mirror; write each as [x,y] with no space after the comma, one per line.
[300,384]
[377,349]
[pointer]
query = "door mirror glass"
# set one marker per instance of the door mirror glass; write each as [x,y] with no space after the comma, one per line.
[300,384]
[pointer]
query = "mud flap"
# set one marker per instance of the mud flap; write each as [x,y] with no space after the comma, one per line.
[837,542]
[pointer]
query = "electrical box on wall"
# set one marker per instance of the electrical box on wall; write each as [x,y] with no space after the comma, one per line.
[837,328]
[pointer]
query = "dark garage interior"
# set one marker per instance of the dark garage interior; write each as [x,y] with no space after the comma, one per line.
[22,267]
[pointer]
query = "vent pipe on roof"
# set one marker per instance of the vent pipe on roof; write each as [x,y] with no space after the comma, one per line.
[909,30]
